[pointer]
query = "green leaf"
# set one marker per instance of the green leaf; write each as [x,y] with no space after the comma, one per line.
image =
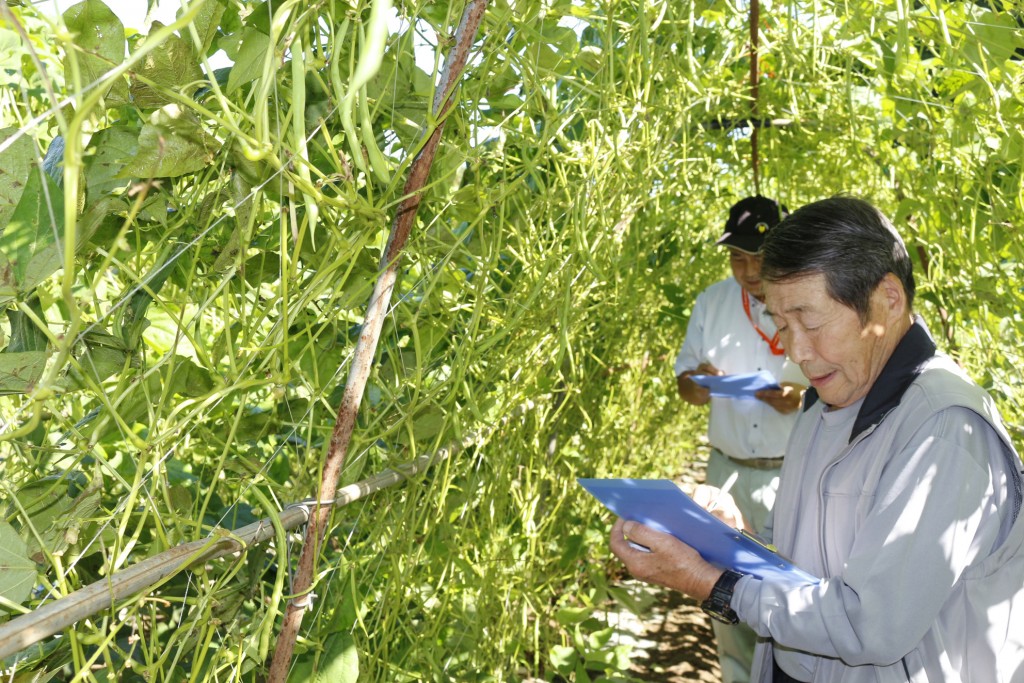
[172,144]
[99,215]
[600,638]
[590,57]
[38,496]
[56,510]
[987,45]
[133,322]
[249,63]
[25,336]
[99,43]
[17,571]
[563,658]
[111,148]
[348,608]
[505,102]
[206,23]
[99,355]
[188,379]
[338,663]
[10,50]
[30,249]
[638,604]
[15,166]
[233,253]
[263,267]
[171,66]
[427,423]
[181,499]
[561,38]
[573,615]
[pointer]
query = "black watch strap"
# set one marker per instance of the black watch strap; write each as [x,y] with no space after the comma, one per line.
[717,604]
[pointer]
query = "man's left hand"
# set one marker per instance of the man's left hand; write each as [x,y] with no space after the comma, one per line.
[785,400]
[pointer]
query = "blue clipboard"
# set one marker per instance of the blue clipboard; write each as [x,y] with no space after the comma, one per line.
[737,386]
[661,505]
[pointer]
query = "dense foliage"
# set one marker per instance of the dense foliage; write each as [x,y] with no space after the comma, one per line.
[186,255]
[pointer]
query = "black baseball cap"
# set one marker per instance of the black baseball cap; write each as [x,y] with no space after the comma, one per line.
[749,221]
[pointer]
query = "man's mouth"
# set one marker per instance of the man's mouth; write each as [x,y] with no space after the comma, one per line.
[820,380]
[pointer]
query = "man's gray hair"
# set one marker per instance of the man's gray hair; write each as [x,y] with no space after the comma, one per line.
[845,239]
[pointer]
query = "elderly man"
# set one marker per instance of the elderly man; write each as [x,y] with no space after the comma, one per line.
[900,488]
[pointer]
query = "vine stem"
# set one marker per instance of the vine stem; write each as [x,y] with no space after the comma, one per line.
[366,345]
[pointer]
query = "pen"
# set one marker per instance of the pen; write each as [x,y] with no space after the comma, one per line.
[725,489]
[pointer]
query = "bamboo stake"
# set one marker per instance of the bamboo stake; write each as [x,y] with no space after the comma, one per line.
[54,617]
[366,345]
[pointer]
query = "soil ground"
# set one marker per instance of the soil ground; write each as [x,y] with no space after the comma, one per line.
[682,647]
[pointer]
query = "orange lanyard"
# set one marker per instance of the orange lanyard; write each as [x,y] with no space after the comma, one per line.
[773,343]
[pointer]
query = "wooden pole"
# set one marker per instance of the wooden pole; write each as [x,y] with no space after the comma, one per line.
[366,345]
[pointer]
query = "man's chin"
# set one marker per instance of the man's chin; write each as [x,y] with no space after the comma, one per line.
[757,293]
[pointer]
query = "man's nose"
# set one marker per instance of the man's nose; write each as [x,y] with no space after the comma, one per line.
[751,265]
[798,347]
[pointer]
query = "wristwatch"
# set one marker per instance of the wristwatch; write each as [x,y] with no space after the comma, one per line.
[717,604]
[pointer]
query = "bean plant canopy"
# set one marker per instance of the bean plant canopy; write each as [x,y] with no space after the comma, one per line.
[194,215]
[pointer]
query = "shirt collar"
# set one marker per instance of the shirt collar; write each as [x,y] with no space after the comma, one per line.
[903,367]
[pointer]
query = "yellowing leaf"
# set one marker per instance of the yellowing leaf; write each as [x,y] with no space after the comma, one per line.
[171,67]
[15,164]
[172,144]
[20,371]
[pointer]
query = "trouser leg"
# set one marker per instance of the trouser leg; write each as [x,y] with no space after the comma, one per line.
[754,493]
[735,651]
[754,490]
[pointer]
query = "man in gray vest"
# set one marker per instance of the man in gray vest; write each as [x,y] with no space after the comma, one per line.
[900,487]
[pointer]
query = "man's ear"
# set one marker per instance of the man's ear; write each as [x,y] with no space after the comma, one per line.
[891,293]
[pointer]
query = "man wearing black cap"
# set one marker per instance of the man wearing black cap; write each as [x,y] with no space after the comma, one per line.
[730,333]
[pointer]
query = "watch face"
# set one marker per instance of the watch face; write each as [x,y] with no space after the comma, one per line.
[722,613]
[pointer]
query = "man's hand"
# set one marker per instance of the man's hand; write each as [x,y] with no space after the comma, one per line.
[690,391]
[670,562]
[785,400]
[720,504]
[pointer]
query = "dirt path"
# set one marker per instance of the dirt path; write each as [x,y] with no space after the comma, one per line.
[680,644]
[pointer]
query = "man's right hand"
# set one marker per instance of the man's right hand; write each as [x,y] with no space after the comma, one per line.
[720,504]
[690,391]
